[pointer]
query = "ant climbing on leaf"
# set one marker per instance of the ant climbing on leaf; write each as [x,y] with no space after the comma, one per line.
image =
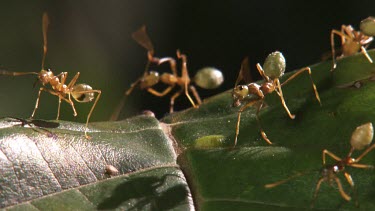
[353,41]
[82,93]
[361,138]
[207,78]
[253,93]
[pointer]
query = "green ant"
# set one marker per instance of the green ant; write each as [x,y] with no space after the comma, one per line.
[361,138]
[252,93]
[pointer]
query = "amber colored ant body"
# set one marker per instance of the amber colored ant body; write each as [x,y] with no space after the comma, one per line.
[80,92]
[252,93]
[151,78]
[353,41]
[361,138]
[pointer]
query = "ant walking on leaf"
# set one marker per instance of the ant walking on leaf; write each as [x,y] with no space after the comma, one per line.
[82,93]
[208,78]
[253,93]
[353,41]
[361,138]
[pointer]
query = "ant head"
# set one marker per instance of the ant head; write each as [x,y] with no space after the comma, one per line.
[362,136]
[209,78]
[239,93]
[81,93]
[367,26]
[45,76]
[150,79]
[274,65]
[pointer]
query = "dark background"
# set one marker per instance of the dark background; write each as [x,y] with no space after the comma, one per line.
[93,37]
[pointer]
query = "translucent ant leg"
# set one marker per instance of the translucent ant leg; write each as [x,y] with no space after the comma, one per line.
[119,107]
[312,81]
[176,95]
[239,118]
[264,135]
[316,191]
[330,154]
[341,189]
[280,93]
[70,101]
[364,51]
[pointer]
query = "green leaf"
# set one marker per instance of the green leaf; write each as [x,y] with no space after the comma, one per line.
[186,161]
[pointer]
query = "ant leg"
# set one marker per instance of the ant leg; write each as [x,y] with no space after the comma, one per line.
[362,166]
[58,109]
[239,118]
[280,93]
[92,107]
[45,23]
[37,101]
[264,135]
[330,154]
[261,72]
[69,100]
[73,81]
[312,81]
[343,36]
[365,153]
[196,95]
[177,94]
[160,94]
[119,107]
[171,61]
[363,49]
[272,185]
[316,191]
[351,183]
[185,77]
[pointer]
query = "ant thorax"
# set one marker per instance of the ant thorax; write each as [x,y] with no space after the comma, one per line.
[168,79]
[267,87]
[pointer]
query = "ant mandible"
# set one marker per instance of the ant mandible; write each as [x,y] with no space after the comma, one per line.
[82,93]
[252,93]
[361,138]
[353,41]
[212,77]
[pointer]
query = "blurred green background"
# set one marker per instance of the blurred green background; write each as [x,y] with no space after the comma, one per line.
[94,38]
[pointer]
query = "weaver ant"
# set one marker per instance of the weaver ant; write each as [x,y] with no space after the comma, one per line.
[252,93]
[361,138]
[207,78]
[353,41]
[82,93]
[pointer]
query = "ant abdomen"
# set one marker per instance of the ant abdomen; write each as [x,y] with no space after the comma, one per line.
[362,136]
[274,65]
[209,78]
[82,93]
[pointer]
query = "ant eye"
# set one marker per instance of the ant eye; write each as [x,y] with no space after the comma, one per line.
[240,88]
